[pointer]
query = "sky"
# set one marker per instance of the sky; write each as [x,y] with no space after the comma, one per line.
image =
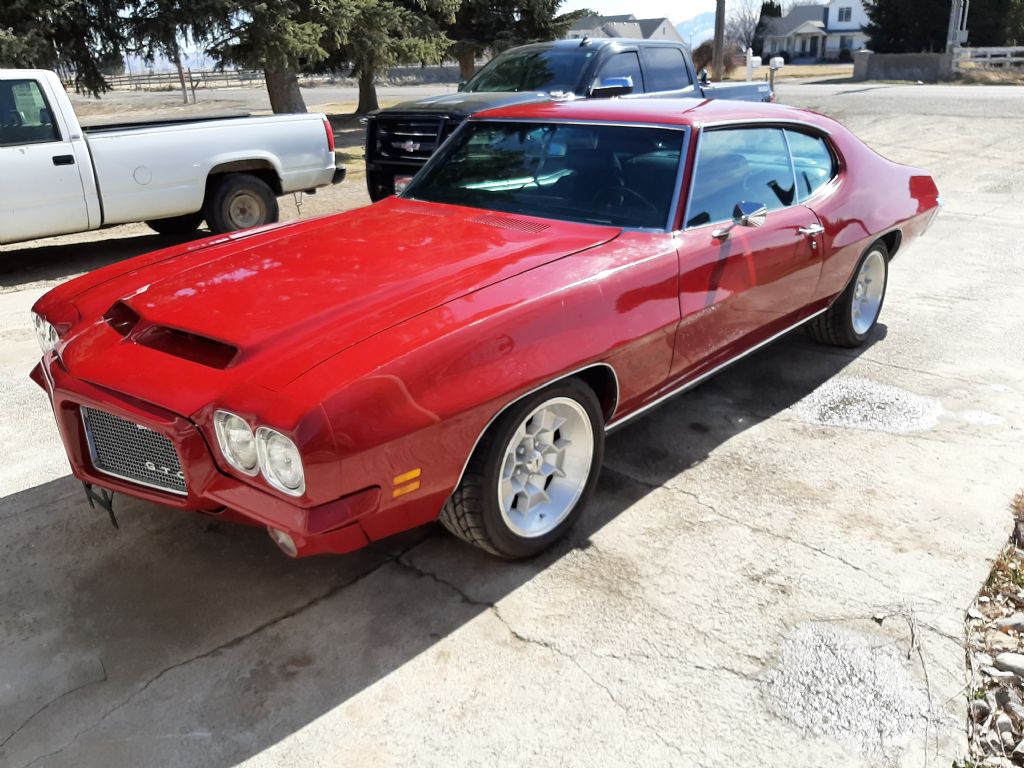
[675,10]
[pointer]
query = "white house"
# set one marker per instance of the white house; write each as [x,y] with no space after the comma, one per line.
[818,31]
[624,26]
[843,25]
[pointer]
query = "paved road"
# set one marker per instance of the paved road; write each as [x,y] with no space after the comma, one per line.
[717,606]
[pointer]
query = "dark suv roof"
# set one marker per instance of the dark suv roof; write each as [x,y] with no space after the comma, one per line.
[597,42]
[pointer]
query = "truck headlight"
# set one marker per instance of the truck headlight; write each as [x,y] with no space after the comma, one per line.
[237,442]
[280,461]
[45,333]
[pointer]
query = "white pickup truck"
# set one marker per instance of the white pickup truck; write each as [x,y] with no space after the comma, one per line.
[57,178]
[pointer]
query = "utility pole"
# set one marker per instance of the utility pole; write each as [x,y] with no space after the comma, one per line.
[718,56]
[957,24]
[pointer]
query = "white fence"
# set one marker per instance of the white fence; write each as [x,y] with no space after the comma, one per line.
[1010,57]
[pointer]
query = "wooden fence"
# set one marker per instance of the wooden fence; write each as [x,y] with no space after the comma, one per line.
[205,78]
[1003,58]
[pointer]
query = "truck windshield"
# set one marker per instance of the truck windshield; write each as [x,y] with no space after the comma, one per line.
[547,71]
[620,175]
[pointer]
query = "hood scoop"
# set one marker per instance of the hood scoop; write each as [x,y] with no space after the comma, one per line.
[507,222]
[172,341]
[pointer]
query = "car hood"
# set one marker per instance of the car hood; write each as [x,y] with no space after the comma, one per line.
[462,105]
[288,298]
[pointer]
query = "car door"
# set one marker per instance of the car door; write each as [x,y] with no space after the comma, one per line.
[740,287]
[40,186]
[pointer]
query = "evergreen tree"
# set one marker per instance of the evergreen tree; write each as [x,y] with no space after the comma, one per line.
[78,38]
[905,26]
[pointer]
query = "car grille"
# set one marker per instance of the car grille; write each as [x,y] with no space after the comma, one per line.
[130,451]
[402,138]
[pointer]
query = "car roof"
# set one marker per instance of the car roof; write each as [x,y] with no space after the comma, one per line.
[682,112]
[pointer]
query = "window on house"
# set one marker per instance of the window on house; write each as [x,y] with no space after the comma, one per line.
[845,14]
[845,42]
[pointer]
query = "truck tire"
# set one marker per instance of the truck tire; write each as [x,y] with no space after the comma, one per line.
[531,474]
[239,201]
[177,225]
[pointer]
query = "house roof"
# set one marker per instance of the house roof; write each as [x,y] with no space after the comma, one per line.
[625,26]
[796,18]
[593,22]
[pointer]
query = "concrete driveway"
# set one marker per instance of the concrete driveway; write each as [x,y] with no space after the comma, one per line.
[773,573]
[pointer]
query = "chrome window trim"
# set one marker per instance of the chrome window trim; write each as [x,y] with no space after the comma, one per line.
[767,122]
[616,423]
[93,457]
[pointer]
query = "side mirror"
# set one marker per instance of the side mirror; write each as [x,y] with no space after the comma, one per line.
[612,86]
[745,215]
[704,76]
[462,85]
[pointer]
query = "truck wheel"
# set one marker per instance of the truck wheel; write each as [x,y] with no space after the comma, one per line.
[852,316]
[177,225]
[531,474]
[239,201]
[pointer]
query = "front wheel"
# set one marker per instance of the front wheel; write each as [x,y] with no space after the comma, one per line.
[852,316]
[239,201]
[532,473]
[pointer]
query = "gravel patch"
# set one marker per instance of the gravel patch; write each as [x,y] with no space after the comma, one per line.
[859,403]
[842,685]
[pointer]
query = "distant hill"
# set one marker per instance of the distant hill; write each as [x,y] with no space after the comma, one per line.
[698,29]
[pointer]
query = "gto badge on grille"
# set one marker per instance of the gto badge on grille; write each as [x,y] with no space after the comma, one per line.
[164,470]
[410,146]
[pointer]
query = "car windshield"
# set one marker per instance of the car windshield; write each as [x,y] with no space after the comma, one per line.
[549,71]
[601,174]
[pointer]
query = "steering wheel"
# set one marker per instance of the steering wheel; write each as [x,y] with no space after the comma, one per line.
[618,195]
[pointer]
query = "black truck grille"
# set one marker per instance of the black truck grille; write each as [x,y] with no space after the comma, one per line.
[408,138]
[130,451]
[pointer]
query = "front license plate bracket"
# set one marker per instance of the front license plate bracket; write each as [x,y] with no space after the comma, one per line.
[97,495]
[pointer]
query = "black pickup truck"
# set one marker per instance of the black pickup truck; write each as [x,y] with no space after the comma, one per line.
[399,139]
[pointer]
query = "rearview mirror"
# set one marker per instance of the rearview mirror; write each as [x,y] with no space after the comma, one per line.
[745,214]
[612,86]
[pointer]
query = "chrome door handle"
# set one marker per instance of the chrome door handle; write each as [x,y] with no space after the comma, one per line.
[812,229]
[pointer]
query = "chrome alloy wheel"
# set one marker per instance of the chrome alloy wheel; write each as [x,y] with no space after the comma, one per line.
[246,210]
[546,467]
[868,292]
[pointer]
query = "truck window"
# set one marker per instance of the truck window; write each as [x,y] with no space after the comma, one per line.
[25,116]
[547,71]
[623,65]
[666,69]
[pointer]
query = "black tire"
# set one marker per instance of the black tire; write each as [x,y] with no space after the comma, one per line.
[835,326]
[472,512]
[177,225]
[239,201]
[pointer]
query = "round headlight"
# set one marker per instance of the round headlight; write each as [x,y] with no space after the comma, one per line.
[280,461]
[46,334]
[237,442]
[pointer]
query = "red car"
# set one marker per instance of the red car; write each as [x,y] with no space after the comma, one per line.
[460,351]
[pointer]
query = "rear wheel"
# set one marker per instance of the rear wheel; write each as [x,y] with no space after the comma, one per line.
[852,317]
[532,473]
[177,225]
[239,201]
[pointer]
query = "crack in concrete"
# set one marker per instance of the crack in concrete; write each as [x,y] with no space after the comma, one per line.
[101,679]
[233,642]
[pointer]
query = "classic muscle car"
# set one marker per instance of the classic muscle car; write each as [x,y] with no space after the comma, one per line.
[461,350]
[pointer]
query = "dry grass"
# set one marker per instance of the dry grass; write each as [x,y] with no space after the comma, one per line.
[991,77]
[793,71]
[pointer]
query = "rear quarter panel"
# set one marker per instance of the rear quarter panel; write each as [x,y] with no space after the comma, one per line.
[871,197]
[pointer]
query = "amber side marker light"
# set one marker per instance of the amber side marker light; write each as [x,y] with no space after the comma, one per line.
[407,482]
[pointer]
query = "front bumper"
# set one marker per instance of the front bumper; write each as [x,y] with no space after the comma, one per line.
[333,527]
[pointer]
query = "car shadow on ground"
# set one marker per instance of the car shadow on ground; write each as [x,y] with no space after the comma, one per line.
[174,624]
[47,261]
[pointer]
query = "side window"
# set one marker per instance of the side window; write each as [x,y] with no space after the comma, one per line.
[623,65]
[25,117]
[737,165]
[666,69]
[812,161]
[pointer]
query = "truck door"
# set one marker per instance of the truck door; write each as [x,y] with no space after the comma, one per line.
[40,186]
